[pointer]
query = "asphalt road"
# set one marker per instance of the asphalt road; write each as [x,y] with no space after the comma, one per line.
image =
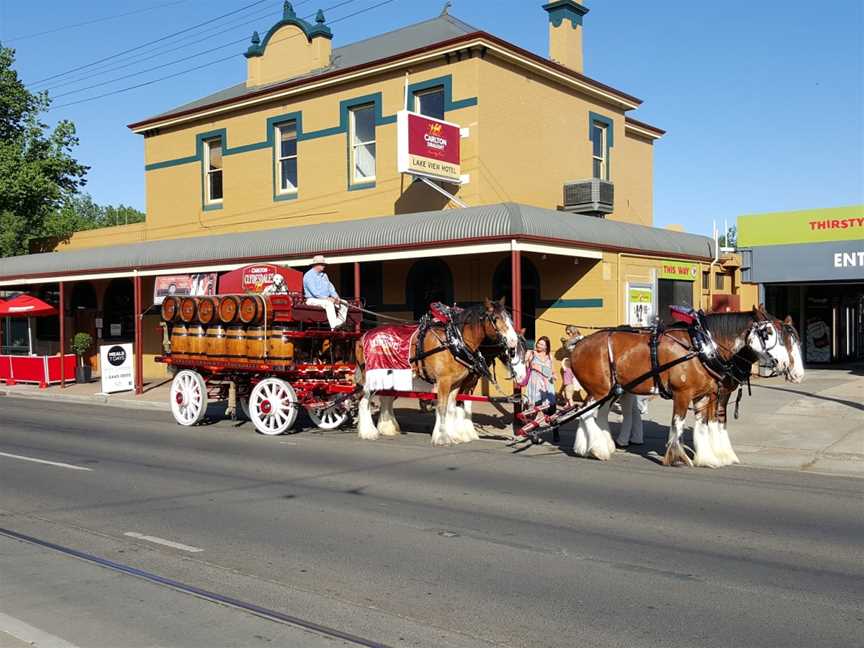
[408,545]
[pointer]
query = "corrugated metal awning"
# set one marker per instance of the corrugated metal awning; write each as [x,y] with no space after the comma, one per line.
[461,231]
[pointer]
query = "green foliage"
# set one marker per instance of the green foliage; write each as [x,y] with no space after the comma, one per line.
[79,212]
[37,171]
[81,343]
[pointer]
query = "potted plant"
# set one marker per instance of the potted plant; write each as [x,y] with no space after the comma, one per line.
[81,344]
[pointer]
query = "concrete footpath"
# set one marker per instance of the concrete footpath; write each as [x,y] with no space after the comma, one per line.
[817,426]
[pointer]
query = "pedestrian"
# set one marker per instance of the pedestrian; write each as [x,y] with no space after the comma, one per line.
[540,389]
[632,408]
[320,292]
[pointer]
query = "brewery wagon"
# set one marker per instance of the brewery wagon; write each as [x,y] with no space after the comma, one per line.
[268,356]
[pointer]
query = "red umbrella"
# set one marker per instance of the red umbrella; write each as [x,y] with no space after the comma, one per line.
[26,306]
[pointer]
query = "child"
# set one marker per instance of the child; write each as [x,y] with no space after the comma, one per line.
[572,388]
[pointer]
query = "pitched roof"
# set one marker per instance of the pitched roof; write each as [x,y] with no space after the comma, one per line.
[404,39]
[423,230]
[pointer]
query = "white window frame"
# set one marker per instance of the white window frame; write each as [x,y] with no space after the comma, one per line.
[282,191]
[418,100]
[355,180]
[604,148]
[208,172]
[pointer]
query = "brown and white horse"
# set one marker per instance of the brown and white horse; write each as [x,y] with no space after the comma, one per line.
[612,356]
[726,330]
[489,323]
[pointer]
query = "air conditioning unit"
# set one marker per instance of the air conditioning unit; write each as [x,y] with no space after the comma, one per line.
[593,197]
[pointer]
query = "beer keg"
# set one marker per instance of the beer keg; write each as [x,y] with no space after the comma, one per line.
[206,310]
[196,341]
[227,309]
[179,340]
[235,343]
[280,348]
[188,309]
[217,342]
[255,342]
[251,309]
[170,309]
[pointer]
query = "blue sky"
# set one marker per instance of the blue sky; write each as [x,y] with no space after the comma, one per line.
[762,100]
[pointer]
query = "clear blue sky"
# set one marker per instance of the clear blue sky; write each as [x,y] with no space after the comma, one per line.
[762,100]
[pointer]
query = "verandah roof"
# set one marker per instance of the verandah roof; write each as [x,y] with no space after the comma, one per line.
[360,239]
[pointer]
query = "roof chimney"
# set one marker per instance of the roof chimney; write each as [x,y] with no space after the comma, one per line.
[565,32]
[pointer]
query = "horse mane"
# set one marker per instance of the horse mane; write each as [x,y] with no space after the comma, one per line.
[470,315]
[728,326]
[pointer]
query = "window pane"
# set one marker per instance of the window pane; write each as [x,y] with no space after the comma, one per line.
[597,140]
[288,140]
[431,104]
[216,185]
[598,168]
[364,124]
[289,174]
[215,156]
[364,161]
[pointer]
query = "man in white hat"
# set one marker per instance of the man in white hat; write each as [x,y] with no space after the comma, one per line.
[320,292]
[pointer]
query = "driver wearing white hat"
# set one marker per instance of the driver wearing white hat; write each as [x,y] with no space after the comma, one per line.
[320,292]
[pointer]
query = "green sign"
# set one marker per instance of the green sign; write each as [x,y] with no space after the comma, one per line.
[812,226]
[680,270]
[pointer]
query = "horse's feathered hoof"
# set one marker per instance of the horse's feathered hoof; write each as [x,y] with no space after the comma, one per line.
[675,455]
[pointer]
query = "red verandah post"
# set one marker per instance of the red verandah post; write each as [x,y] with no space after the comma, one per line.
[357,280]
[62,310]
[139,336]
[516,298]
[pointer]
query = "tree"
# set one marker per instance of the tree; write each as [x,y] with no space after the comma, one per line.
[37,170]
[730,238]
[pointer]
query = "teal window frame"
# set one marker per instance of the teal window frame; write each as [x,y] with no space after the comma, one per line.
[273,124]
[204,140]
[609,127]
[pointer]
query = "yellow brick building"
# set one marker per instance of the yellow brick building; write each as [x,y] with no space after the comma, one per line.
[302,154]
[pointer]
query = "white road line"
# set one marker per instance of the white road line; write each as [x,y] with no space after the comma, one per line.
[30,635]
[42,461]
[162,541]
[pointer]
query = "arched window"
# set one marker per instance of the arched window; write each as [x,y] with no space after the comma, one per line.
[118,310]
[429,280]
[83,297]
[502,286]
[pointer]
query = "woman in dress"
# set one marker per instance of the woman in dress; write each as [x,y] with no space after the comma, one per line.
[540,390]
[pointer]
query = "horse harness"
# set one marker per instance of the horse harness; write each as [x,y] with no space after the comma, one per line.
[440,320]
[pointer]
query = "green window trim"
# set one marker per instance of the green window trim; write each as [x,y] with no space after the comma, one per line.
[610,140]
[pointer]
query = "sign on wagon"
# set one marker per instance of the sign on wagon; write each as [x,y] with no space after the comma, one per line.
[116,365]
[428,147]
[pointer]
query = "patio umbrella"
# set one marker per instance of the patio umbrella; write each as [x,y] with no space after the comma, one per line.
[27,306]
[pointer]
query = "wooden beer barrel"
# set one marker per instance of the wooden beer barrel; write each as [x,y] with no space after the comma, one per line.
[196,341]
[206,310]
[255,342]
[227,309]
[235,343]
[217,342]
[179,340]
[280,346]
[188,309]
[170,309]
[251,309]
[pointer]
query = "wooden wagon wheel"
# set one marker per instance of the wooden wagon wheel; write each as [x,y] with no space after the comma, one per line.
[273,406]
[188,397]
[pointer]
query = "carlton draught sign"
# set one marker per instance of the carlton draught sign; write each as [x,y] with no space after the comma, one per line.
[428,147]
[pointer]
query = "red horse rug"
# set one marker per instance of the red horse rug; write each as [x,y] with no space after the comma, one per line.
[387,351]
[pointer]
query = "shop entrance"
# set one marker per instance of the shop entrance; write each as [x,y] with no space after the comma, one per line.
[830,319]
